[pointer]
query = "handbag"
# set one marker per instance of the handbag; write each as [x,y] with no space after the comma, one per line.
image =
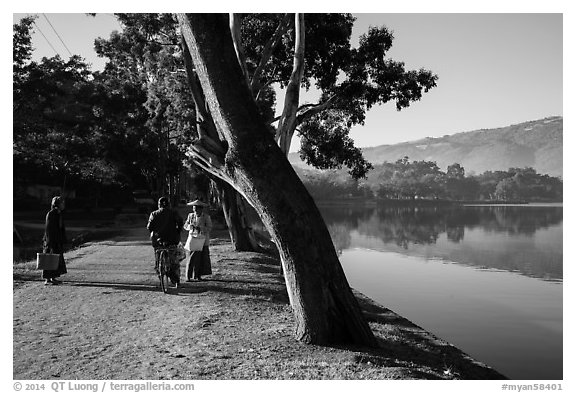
[194,242]
[47,261]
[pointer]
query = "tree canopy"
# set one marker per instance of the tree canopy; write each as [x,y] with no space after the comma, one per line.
[134,119]
[127,125]
[54,117]
[350,80]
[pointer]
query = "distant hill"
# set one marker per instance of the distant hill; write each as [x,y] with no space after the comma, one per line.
[536,144]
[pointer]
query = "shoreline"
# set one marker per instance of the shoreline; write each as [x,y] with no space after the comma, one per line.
[427,202]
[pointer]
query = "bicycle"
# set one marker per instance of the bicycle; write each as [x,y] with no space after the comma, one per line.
[165,255]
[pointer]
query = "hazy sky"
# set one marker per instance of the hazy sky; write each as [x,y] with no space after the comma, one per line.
[494,69]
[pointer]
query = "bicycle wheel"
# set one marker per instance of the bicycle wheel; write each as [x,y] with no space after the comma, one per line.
[163,270]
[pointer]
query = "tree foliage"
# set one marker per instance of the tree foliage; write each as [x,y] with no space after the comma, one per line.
[53,117]
[128,124]
[21,50]
[328,146]
[350,80]
[144,75]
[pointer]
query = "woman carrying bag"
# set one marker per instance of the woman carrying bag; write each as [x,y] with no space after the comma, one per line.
[198,223]
[54,239]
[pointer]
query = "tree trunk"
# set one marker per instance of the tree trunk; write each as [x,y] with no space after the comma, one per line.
[325,308]
[242,235]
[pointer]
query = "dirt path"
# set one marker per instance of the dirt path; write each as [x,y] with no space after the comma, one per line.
[109,320]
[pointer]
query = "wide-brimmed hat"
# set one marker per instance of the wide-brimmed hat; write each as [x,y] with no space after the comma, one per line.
[197,202]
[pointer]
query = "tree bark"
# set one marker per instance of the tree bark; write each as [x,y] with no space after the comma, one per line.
[325,308]
[235,23]
[287,123]
[241,235]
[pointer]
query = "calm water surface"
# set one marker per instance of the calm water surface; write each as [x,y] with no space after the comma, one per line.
[487,279]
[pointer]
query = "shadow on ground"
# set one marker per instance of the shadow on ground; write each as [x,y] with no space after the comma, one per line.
[257,281]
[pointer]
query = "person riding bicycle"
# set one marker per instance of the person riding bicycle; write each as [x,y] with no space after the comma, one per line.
[165,225]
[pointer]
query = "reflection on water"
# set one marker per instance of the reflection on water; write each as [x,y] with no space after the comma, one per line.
[511,322]
[485,278]
[523,239]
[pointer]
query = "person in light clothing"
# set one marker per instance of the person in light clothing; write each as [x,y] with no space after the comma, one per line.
[199,222]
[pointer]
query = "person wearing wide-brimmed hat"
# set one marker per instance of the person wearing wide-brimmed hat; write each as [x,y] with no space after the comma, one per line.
[199,222]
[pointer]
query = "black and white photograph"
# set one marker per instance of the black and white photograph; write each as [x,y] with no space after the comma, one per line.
[207,198]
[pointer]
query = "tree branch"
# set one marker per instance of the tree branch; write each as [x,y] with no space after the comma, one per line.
[274,120]
[153,41]
[206,129]
[235,23]
[287,123]
[267,53]
[207,160]
[309,110]
[213,165]
[268,83]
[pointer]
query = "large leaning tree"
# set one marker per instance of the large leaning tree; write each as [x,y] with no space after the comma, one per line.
[245,155]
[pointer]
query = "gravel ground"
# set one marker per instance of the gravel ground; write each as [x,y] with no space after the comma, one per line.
[109,320]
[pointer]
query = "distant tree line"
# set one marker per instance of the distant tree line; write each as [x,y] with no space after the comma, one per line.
[411,180]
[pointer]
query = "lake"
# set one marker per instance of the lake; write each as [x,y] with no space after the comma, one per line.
[486,278]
